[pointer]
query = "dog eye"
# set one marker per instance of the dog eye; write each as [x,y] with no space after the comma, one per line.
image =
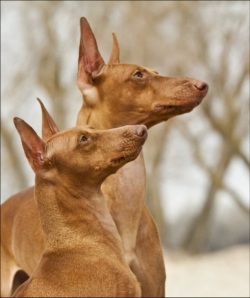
[138,74]
[83,139]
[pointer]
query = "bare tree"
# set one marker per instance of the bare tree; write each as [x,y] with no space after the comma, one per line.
[224,109]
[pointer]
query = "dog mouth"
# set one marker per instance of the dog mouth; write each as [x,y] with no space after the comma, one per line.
[119,160]
[179,108]
[125,158]
[131,145]
[181,102]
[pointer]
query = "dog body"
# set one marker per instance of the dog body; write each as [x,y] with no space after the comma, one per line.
[114,94]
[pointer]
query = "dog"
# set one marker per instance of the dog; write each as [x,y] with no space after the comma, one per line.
[83,255]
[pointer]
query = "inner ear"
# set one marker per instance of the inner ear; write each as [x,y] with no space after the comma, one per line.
[90,58]
[35,156]
[33,145]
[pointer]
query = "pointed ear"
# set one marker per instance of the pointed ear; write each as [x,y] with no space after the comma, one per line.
[90,58]
[49,127]
[33,146]
[114,58]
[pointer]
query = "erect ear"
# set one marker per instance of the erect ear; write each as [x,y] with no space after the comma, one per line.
[33,146]
[90,58]
[114,58]
[49,127]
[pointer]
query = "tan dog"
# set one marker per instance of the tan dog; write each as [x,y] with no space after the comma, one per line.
[83,255]
[114,94]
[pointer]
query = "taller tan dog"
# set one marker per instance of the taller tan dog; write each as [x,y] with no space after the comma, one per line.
[114,94]
[83,255]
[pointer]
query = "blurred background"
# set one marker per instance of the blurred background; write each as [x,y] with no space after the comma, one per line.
[197,164]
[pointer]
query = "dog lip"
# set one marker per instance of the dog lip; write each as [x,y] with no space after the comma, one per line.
[126,158]
[185,106]
[118,160]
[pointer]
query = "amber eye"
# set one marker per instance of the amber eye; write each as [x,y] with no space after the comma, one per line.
[83,139]
[138,74]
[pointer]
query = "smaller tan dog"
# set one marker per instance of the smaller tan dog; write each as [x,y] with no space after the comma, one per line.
[83,254]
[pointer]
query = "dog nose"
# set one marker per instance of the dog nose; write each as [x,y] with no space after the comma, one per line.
[141,131]
[202,86]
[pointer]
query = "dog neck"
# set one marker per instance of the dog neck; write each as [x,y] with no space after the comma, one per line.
[72,220]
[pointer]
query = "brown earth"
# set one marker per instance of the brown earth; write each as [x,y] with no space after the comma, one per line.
[224,273]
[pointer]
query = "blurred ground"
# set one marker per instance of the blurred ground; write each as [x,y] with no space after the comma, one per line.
[223,273]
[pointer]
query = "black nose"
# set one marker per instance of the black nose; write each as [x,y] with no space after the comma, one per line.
[141,131]
[202,86]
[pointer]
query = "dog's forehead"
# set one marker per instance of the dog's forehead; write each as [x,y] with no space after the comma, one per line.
[66,140]
[71,133]
[127,68]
